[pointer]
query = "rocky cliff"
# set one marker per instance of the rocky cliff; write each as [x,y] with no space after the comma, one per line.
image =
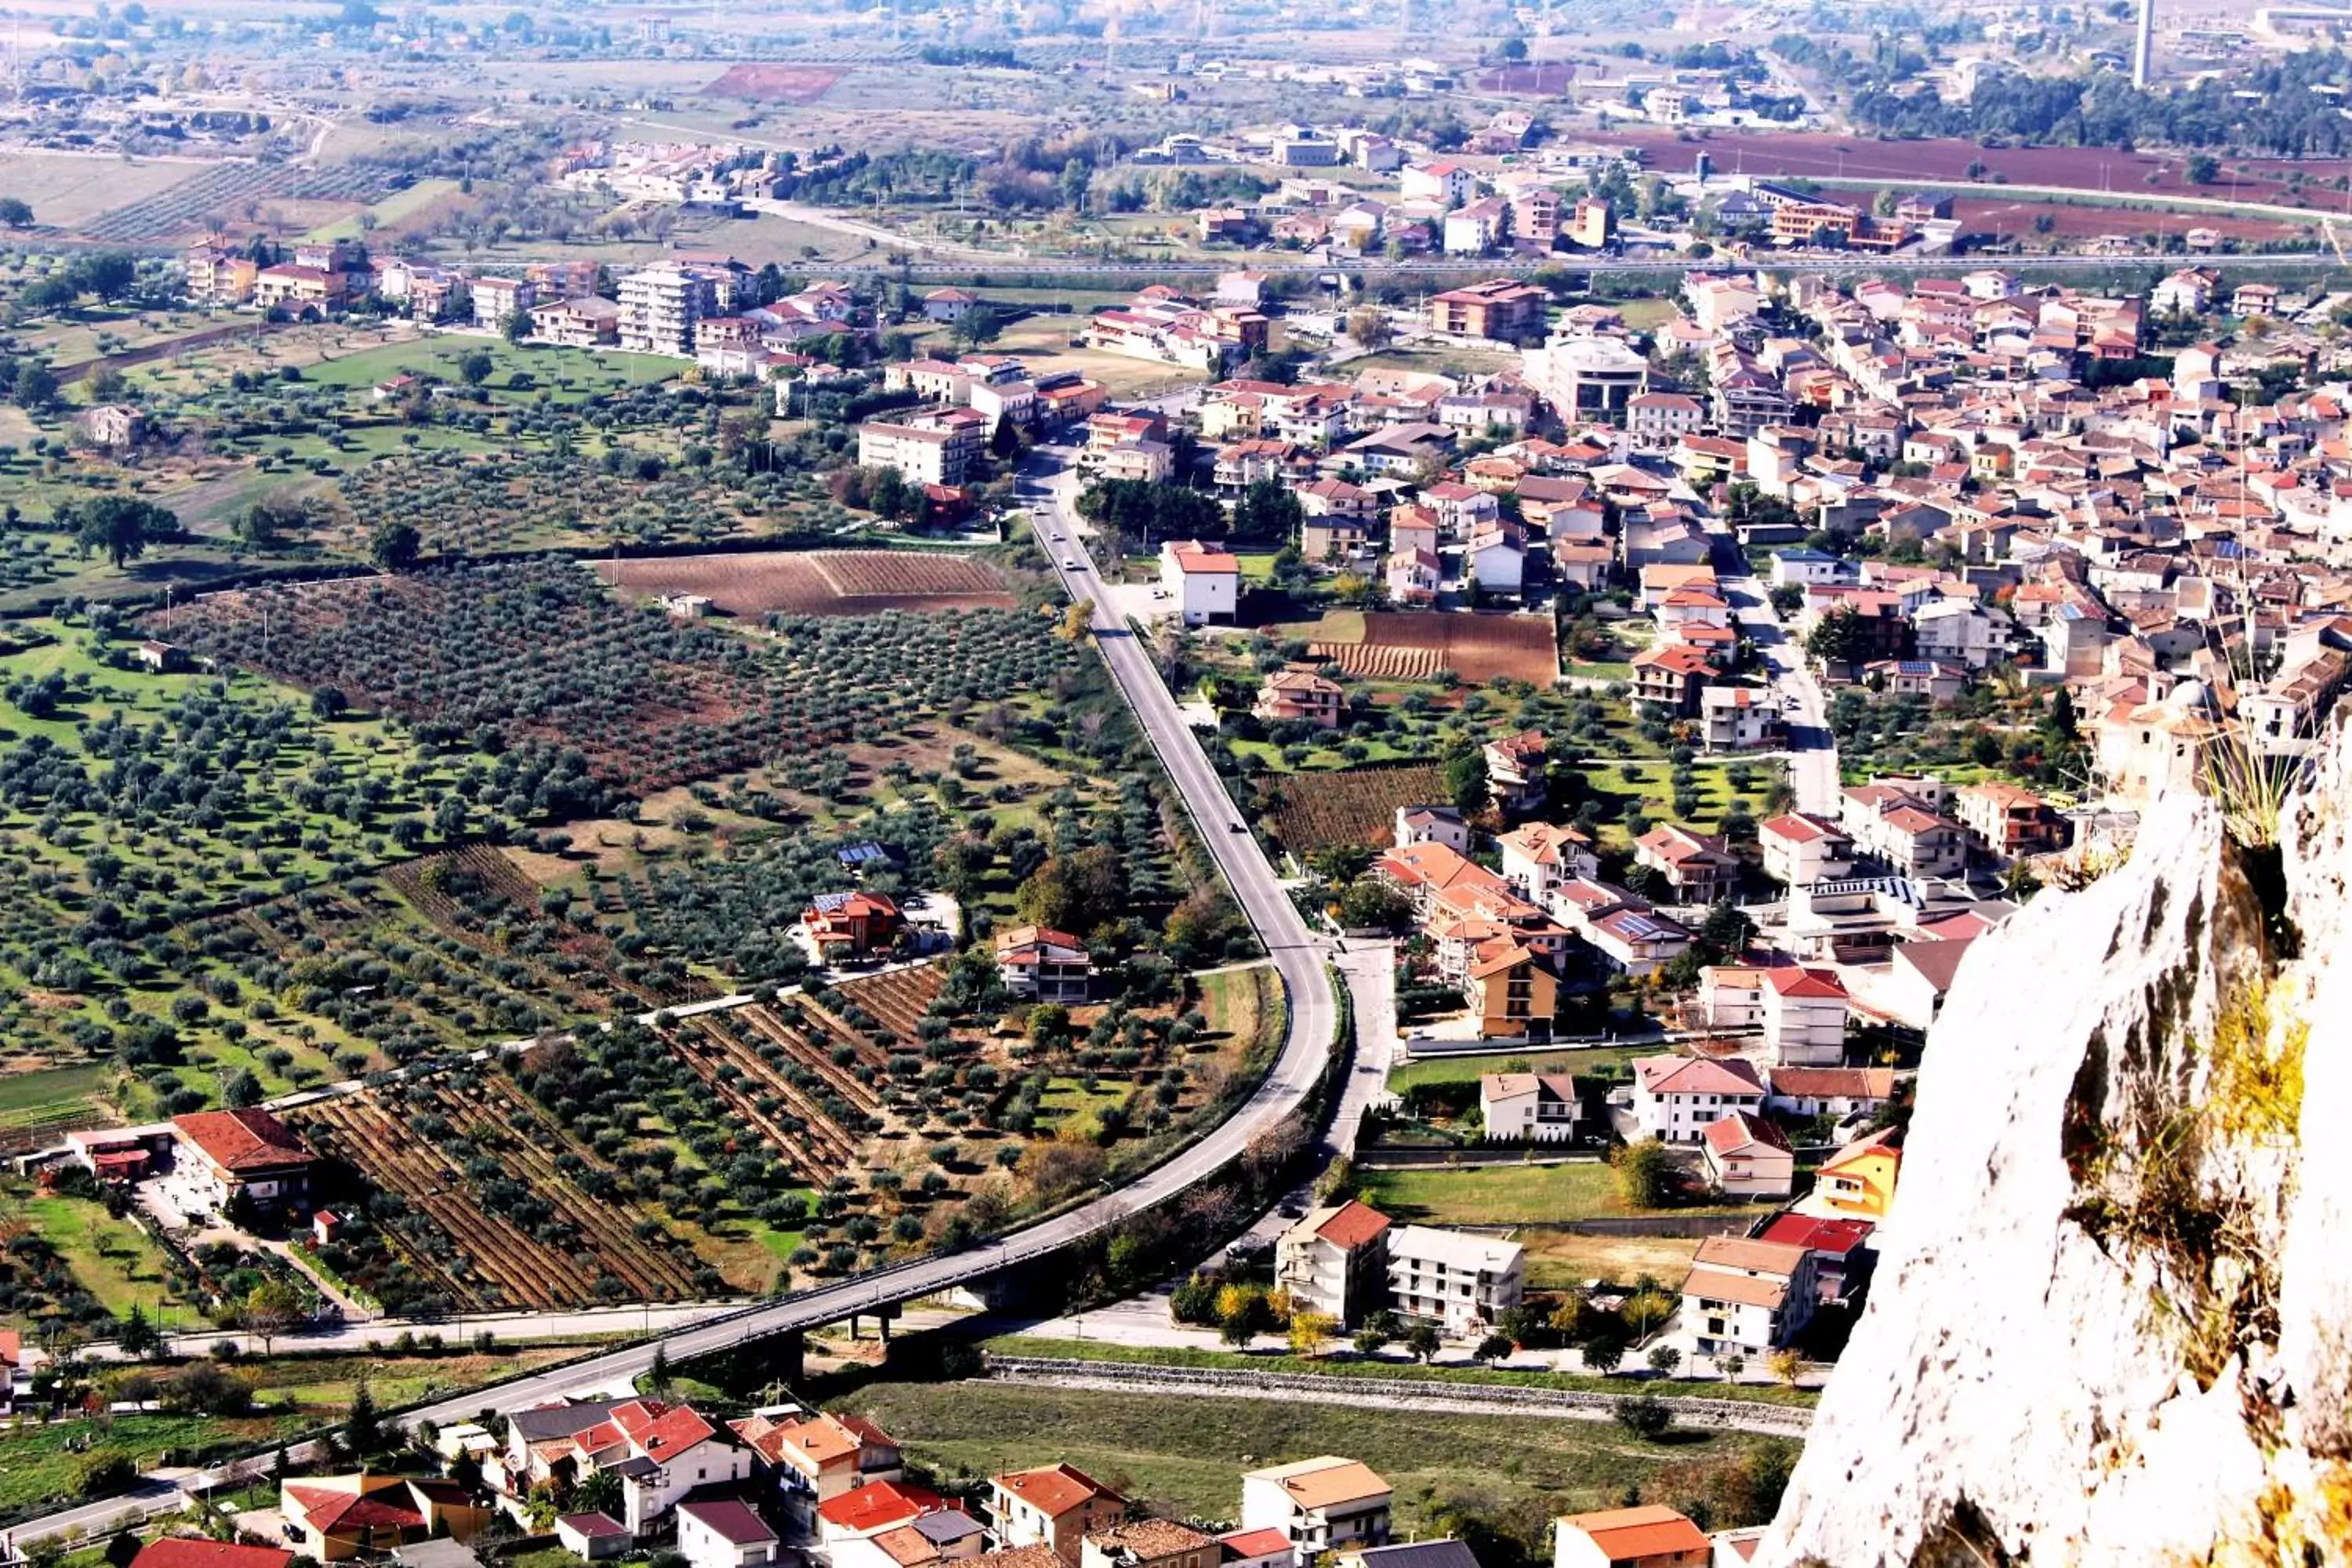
[2113,1323]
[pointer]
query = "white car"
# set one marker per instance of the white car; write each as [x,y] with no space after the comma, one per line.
[1068,564]
[1056,538]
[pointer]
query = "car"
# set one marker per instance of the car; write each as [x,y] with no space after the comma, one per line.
[1291,1210]
[1068,564]
[1235,827]
[1056,538]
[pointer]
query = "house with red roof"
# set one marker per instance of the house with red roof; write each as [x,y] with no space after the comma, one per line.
[1047,965]
[1800,849]
[853,1526]
[1747,1157]
[337,1517]
[823,1454]
[1804,1017]
[1676,1098]
[1206,583]
[1057,1506]
[1650,1536]
[189,1552]
[246,1153]
[851,925]
[1334,1261]
[660,1452]
[1696,865]
[1843,1256]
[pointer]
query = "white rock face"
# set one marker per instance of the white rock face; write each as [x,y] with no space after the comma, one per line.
[2114,1323]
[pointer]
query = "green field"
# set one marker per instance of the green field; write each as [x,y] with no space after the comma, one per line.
[1183,1458]
[400,204]
[113,1258]
[1599,1061]
[1345,1363]
[1502,1195]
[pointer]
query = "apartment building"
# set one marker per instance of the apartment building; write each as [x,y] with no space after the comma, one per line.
[1500,308]
[1461,1282]
[659,306]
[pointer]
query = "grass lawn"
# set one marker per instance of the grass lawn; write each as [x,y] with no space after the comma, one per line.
[1592,1063]
[1502,1194]
[1183,1458]
[1243,1004]
[113,1258]
[400,204]
[41,1464]
[1562,1260]
[591,372]
[1345,1363]
[323,1385]
[28,1098]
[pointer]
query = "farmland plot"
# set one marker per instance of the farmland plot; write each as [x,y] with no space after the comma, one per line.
[539,648]
[1354,807]
[1406,646]
[492,1205]
[817,583]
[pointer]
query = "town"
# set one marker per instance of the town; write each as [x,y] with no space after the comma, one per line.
[1133,790]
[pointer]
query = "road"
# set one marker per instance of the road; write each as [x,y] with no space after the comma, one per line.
[1312,1016]
[1813,748]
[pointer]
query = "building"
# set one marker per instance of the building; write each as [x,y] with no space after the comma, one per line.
[1746,1157]
[1737,717]
[1204,582]
[337,1518]
[1150,1544]
[1057,1506]
[859,1529]
[949,305]
[1587,378]
[593,1536]
[247,1155]
[1804,1017]
[186,1551]
[298,290]
[1651,1536]
[925,454]
[496,299]
[585,322]
[1516,771]
[1040,963]
[112,426]
[1538,856]
[1501,309]
[1859,1180]
[1696,865]
[1745,1298]
[1676,1098]
[1319,1505]
[1656,420]
[1528,1107]
[659,306]
[219,276]
[2008,822]
[1800,849]
[723,1534]
[1838,1092]
[660,1453]
[1461,1282]
[1512,993]
[1335,1261]
[822,1454]
[1301,697]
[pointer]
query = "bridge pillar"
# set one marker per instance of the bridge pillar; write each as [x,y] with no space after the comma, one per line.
[883,1317]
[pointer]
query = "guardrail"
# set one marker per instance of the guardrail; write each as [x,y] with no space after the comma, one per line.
[1699,1411]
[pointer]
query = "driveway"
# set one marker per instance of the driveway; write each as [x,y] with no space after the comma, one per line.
[1812,749]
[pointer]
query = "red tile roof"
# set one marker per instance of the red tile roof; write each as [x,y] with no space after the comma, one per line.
[179,1552]
[1352,1223]
[1056,1489]
[1630,1534]
[249,1140]
[871,1508]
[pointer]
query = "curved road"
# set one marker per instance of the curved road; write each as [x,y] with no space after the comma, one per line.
[1305,1048]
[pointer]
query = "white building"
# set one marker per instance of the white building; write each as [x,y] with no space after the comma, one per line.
[1319,1505]
[1538,857]
[1462,1283]
[1674,1098]
[1204,582]
[1746,1157]
[1335,1261]
[1956,632]
[723,1534]
[1747,1297]
[1528,1107]
[1800,849]
[1804,1017]
[659,306]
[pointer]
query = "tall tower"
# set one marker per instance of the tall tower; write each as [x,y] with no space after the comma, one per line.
[2144,45]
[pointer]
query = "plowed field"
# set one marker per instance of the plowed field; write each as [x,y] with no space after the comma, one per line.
[819,581]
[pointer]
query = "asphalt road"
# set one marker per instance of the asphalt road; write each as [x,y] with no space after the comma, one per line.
[1312,1016]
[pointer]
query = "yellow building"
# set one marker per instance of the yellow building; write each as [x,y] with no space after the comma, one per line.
[1858,1179]
[1513,996]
